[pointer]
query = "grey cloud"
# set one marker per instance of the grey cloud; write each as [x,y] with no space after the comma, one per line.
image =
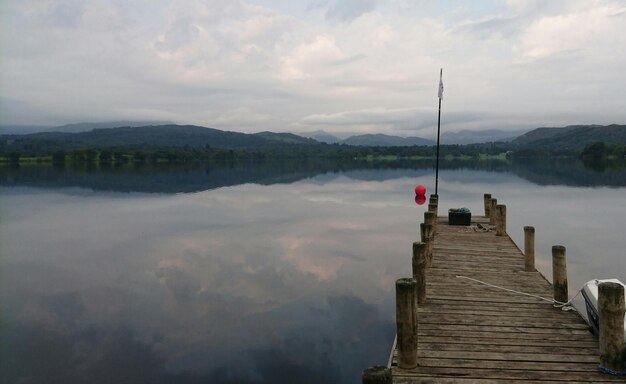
[66,14]
[348,10]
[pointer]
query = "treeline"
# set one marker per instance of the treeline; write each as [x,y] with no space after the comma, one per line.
[601,150]
[187,154]
[206,153]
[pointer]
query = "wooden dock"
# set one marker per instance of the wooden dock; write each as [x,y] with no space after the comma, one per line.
[471,333]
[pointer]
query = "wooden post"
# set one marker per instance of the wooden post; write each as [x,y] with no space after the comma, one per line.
[492,211]
[487,202]
[377,375]
[431,218]
[559,273]
[420,251]
[611,313]
[432,208]
[501,221]
[428,237]
[529,249]
[406,322]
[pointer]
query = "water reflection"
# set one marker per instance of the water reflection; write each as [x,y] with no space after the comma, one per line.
[224,286]
[175,178]
[289,282]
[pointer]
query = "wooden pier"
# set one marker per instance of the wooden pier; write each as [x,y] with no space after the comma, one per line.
[468,332]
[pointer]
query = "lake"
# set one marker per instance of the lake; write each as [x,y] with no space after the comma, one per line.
[275,273]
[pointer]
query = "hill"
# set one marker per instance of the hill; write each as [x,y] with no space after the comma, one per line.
[380,140]
[84,127]
[149,136]
[321,136]
[285,138]
[570,138]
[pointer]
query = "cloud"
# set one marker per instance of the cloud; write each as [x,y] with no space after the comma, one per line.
[259,65]
[584,29]
[348,10]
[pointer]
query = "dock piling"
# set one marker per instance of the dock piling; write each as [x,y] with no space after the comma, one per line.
[501,220]
[559,273]
[432,208]
[428,237]
[406,322]
[529,249]
[431,218]
[492,211]
[487,201]
[420,251]
[611,313]
[377,375]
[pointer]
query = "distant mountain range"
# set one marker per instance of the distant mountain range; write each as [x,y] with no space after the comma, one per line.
[460,137]
[572,138]
[75,128]
[380,140]
[154,136]
[368,140]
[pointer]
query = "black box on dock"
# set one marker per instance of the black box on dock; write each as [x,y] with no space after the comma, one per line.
[459,216]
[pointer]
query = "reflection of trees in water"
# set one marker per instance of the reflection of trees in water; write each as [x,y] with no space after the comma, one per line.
[571,172]
[173,178]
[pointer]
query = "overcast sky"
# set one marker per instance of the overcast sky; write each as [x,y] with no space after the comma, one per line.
[336,65]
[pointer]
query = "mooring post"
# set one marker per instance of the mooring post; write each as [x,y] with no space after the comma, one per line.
[427,234]
[431,218]
[420,250]
[487,201]
[406,322]
[492,211]
[434,199]
[432,208]
[559,274]
[501,221]
[377,375]
[611,313]
[529,249]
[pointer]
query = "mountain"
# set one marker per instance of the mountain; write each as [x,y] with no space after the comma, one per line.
[285,138]
[573,137]
[153,136]
[483,136]
[83,127]
[380,140]
[21,129]
[321,136]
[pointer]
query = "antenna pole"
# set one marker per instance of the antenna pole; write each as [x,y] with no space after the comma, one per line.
[438,133]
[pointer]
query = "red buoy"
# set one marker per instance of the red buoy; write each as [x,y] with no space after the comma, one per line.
[420,199]
[420,190]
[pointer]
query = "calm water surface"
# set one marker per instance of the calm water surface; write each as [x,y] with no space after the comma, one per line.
[239,276]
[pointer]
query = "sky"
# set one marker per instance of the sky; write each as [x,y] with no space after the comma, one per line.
[360,66]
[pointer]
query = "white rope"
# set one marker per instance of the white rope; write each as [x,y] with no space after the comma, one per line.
[557,304]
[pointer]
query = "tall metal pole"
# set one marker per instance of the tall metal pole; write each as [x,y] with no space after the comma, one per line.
[438,132]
